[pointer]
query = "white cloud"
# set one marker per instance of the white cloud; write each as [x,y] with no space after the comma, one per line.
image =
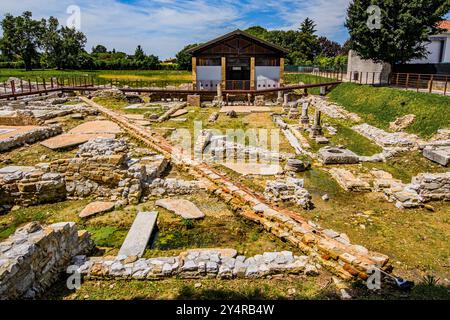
[163,27]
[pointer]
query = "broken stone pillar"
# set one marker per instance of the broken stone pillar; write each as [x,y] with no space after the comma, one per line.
[286,102]
[293,112]
[323,91]
[219,97]
[316,129]
[280,97]
[304,119]
[260,101]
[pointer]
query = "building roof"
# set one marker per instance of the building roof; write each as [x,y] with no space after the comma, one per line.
[234,33]
[445,25]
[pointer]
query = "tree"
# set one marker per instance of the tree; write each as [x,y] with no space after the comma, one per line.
[308,26]
[258,32]
[404,30]
[328,48]
[308,44]
[99,49]
[22,36]
[139,54]
[184,59]
[63,45]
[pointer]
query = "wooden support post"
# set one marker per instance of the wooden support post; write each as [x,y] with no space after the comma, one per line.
[194,72]
[252,73]
[281,72]
[29,85]
[13,89]
[224,72]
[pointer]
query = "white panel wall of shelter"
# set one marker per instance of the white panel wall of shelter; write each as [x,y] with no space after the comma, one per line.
[267,77]
[208,77]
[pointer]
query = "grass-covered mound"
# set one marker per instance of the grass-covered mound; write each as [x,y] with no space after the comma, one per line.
[380,105]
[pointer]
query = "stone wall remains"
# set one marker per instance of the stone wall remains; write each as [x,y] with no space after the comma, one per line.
[29,137]
[32,259]
[201,263]
[27,187]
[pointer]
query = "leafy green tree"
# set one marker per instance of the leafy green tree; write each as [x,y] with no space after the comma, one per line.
[63,45]
[258,32]
[184,59]
[22,37]
[99,49]
[400,34]
[139,54]
[328,48]
[308,26]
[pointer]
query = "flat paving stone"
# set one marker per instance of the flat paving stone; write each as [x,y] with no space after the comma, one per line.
[143,123]
[439,155]
[260,169]
[11,131]
[137,238]
[244,109]
[181,207]
[68,140]
[98,126]
[96,208]
[12,169]
[178,113]
[135,116]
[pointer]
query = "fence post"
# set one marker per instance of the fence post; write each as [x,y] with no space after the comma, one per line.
[407,80]
[13,89]
[445,87]
[29,85]
[45,87]
[431,84]
[418,82]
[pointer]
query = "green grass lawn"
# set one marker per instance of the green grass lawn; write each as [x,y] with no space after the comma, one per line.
[124,77]
[379,106]
[296,78]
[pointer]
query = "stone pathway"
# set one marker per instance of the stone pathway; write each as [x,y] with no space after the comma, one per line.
[181,207]
[96,208]
[137,238]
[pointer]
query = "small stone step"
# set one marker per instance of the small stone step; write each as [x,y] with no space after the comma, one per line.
[139,234]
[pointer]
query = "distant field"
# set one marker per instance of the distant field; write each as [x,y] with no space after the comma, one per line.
[166,77]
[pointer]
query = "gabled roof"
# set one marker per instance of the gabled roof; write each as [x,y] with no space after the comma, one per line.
[234,33]
[445,25]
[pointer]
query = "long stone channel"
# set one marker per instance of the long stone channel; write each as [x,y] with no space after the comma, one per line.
[332,249]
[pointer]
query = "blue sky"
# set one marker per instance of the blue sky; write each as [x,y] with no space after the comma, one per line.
[163,27]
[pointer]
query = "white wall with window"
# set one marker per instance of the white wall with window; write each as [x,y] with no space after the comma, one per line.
[438,50]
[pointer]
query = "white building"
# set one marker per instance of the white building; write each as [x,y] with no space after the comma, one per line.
[439,48]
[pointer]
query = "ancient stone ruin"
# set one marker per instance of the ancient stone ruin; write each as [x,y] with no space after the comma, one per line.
[33,258]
